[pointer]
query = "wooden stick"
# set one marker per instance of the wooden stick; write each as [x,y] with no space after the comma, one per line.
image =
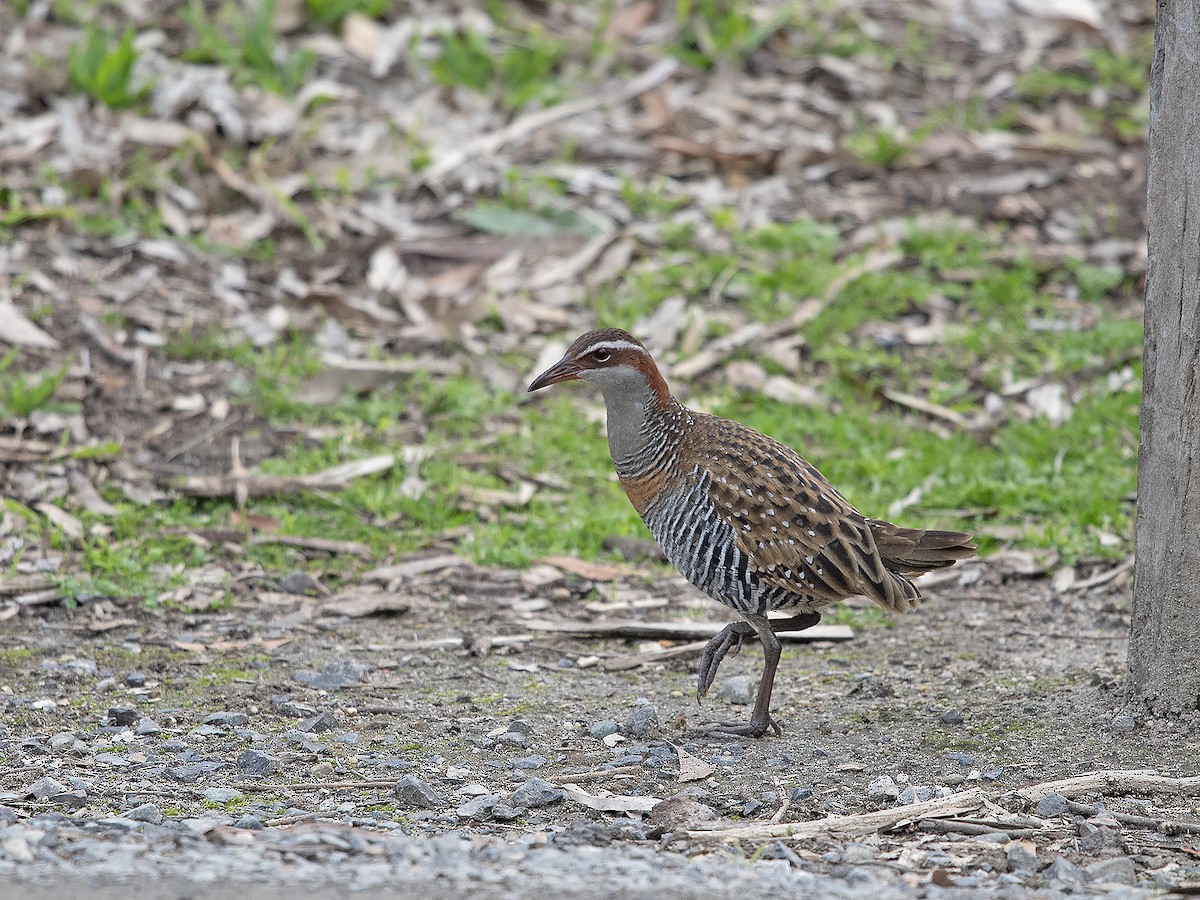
[957,826]
[1166,826]
[954,805]
[1116,781]
[676,630]
[633,660]
[596,774]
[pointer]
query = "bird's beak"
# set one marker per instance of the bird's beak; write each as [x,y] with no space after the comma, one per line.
[563,370]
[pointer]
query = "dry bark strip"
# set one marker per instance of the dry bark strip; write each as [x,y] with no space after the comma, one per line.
[1116,781]
[1166,826]
[250,484]
[943,807]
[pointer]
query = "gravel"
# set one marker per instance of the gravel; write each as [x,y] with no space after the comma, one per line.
[50,856]
[257,763]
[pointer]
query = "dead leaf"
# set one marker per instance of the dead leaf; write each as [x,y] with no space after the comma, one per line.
[16,329]
[589,570]
[59,517]
[692,768]
[358,603]
[413,567]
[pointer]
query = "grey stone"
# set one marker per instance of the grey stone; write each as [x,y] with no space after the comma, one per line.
[289,707]
[639,720]
[1098,840]
[536,792]
[1062,869]
[915,793]
[335,676]
[603,728]
[122,715]
[963,759]
[952,717]
[322,721]
[883,788]
[1122,723]
[193,772]
[1051,806]
[203,731]
[45,787]
[529,762]
[412,792]
[514,739]
[222,795]
[147,812]
[1118,870]
[249,821]
[346,737]
[478,807]
[801,794]
[227,719]
[502,812]
[258,763]
[298,583]
[519,726]
[145,726]
[135,679]
[737,689]
[62,740]
[995,837]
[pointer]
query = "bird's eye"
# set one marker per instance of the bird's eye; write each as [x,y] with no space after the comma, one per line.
[601,355]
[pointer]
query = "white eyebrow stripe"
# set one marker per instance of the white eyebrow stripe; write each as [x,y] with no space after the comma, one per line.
[614,345]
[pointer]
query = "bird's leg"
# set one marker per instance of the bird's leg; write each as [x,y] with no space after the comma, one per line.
[723,642]
[760,718]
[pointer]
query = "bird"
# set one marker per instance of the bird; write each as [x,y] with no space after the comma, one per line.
[743,517]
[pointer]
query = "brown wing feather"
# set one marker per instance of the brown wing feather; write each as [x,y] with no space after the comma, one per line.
[798,531]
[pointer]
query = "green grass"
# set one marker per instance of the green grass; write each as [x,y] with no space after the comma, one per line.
[102,66]
[246,45]
[518,66]
[1058,487]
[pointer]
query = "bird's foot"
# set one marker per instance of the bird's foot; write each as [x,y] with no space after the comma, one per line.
[753,728]
[727,640]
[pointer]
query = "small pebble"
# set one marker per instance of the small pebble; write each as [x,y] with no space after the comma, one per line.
[883,788]
[478,807]
[502,812]
[145,725]
[147,812]
[1118,870]
[1062,869]
[222,795]
[639,720]
[915,794]
[1051,806]
[1020,858]
[966,760]
[257,763]
[529,762]
[122,715]
[1122,723]
[737,689]
[952,717]
[226,719]
[322,721]
[603,728]
[520,726]
[135,679]
[537,792]
[45,787]
[412,792]
[801,794]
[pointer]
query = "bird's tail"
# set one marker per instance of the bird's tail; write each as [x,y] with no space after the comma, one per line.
[912,551]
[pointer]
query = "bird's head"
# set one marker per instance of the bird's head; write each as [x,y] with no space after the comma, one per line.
[612,359]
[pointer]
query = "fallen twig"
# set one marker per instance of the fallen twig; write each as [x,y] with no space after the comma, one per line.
[954,805]
[958,826]
[596,774]
[251,484]
[1102,577]
[675,630]
[1117,781]
[1166,826]
[634,660]
[489,144]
